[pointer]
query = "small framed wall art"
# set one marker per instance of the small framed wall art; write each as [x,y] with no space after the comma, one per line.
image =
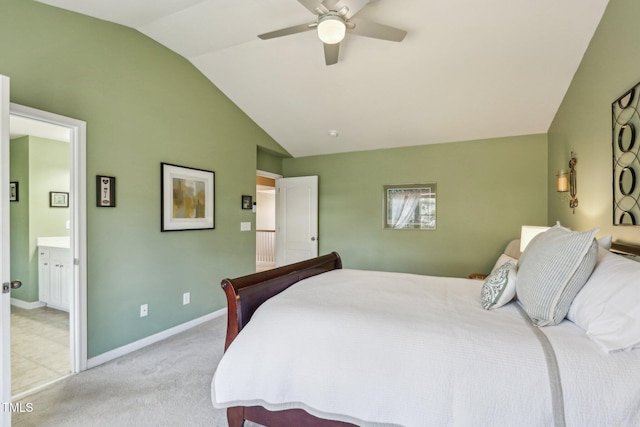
[14,194]
[246,202]
[105,191]
[58,199]
[187,198]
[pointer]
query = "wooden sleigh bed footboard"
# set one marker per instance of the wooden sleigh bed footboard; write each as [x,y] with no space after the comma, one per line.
[244,295]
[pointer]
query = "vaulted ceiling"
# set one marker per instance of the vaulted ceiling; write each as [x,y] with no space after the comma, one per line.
[466,70]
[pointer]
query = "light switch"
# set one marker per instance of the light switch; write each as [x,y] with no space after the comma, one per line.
[245,226]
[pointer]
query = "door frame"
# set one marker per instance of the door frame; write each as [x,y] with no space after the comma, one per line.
[5,270]
[78,226]
[273,176]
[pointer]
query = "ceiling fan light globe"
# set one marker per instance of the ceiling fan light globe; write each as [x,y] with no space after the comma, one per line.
[331,30]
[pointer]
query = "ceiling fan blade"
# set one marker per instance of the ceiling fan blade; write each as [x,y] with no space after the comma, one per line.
[331,52]
[288,31]
[377,31]
[314,6]
[354,6]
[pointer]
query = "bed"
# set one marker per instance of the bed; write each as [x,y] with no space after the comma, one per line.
[314,344]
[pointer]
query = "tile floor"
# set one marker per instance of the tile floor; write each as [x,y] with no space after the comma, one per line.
[39,347]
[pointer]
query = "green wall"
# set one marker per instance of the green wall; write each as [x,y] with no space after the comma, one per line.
[610,67]
[40,166]
[486,190]
[143,105]
[48,171]
[269,161]
[21,268]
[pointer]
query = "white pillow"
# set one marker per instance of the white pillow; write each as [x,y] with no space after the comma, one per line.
[500,286]
[608,306]
[605,241]
[552,270]
[501,260]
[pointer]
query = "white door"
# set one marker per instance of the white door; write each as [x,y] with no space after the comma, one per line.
[5,299]
[296,219]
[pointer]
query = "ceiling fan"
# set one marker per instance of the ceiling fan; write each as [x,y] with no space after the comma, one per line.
[334,20]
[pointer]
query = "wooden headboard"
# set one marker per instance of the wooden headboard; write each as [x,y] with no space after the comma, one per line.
[245,294]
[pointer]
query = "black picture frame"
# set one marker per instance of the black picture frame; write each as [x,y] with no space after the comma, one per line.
[58,199]
[247,202]
[14,191]
[626,164]
[105,191]
[187,198]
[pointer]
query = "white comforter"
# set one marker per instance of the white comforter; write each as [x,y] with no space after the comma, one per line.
[375,348]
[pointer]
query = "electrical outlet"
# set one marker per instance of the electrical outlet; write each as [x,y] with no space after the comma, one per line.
[186,298]
[144,310]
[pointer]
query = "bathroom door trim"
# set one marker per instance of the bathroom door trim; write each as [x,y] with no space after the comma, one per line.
[78,226]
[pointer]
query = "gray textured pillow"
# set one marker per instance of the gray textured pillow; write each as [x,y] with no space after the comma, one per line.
[552,270]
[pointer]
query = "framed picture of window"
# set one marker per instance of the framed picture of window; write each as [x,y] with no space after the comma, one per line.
[410,206]
[187,198]
[58,199]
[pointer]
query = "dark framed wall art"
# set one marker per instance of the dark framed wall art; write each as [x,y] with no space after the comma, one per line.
[187,198]
[14,191]
[246,202]
[58,199]
[105,191]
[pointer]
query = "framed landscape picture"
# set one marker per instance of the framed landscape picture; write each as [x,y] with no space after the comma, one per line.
[187,198]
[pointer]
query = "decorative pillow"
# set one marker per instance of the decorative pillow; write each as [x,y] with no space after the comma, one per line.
[503,259]
[552,270]
[608,306]
[500,286]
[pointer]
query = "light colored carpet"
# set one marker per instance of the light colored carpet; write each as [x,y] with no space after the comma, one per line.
[165,384]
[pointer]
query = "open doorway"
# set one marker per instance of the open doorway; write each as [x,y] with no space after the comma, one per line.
[40,252]
[47,247]
[265,220]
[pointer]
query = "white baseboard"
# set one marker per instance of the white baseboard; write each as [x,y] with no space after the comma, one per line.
[26,305]
[137,345]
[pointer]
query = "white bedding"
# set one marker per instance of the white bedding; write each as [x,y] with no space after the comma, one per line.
[375,348]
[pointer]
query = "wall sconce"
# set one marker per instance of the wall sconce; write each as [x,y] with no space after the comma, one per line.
[568,182]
